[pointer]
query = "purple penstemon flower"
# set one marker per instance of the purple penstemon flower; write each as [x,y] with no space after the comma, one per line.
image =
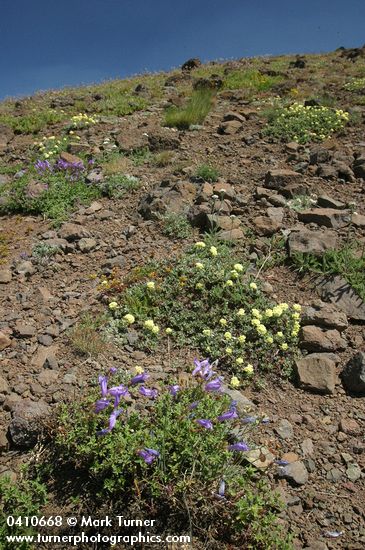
[214,385]
[228,415]
[174,390]
[139,378]
[43,166]
[112,421]
[117,392]
[203,369]
[193,405]
[113,370]
[207,424]
[101,404]
[241,446]
[281,462]
[148,392]
[103,381]
[148,455]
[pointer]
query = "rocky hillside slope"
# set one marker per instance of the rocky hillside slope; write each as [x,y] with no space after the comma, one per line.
[266,154]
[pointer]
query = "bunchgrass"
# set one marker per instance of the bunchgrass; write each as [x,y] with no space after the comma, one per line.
[195,112]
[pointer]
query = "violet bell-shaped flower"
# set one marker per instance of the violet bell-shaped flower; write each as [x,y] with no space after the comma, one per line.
[214,385]
[148,392]
[140,378]
[174,390]
[207,424]
[203,369]
[228,415]
[148,455]
[112,421]
[117,392]
[241,446]
[103,382]
[101,404]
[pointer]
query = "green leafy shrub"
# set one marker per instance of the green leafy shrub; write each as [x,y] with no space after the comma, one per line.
[195,112]
[55,195]
[22,498]
[176,226]
[118,185]
[32,123]
[205,299]
[207,173]
[175,456]
[305,123]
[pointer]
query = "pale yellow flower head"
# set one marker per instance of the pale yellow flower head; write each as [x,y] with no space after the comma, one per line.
[213,251]
[129,318]
[113,305]
[248,369]
[200,244]
[139,369]
[151,285]
[223,322]
[253,286]
[238,267]
[235,382]
[168,330]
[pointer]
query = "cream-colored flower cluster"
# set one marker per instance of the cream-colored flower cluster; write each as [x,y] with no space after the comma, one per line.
[82,120]
[50,146]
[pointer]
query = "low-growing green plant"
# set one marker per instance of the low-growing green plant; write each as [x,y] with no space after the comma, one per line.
[43,252]
[305,123]
[55,195]
[118,185]
[205,299]
[349,262]
[195,112]
[19,499]
[176,226]
[250,79]
[207,173]
[140,156]
[355,85]
[177,452]
[301,202]
[33,122]
[119,102]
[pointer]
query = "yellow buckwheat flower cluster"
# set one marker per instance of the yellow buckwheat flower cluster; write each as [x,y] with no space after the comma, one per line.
[82,119]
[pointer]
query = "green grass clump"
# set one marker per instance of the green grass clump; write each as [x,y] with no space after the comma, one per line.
[207,301]
[251,80]
[189,464]
[305,123]
[207,173]
[118,100]
[32,123]
[349,262]
[19,499]
[86,337]
[195,112]
[118,185]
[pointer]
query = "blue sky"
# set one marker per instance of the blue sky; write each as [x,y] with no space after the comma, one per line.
[47,44]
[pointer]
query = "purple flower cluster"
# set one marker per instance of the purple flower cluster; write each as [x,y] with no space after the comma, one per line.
[71,169]
[203,369]
[116,392]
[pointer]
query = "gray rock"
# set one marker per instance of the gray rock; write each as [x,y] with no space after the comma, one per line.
[329,217]
[26,424]
[337,290]
[244,405]
[45,339]
[284,429]
[324,315]
[294,472]
[5,276]
[311,242]
[25,268]
[86,245]
[4,387]
[24,330]
[353,472]
[313,338]
[5,341]
[278,179]
[73,232]
[353,375]
[316,372]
